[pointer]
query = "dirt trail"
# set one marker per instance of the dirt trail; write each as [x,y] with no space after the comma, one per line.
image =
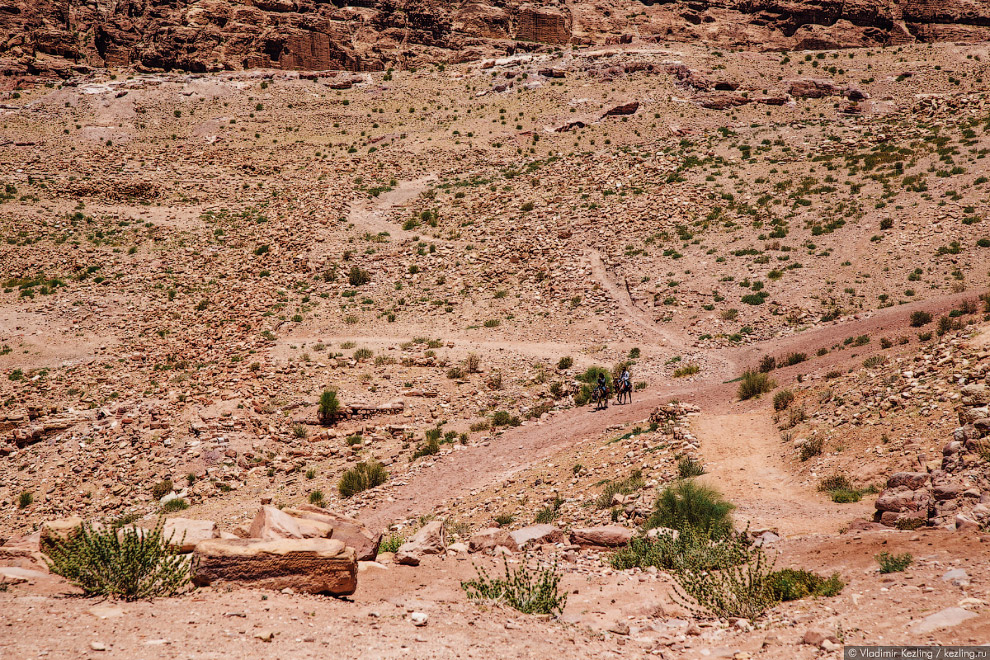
[743,454]
[370,214]
[461,471]
[627,307]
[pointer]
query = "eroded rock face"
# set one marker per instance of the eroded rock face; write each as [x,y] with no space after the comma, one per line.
[304,565]
[50,38]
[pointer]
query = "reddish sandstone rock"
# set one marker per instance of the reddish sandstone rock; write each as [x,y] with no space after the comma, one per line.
[350,531]
[609,536]
[304,565]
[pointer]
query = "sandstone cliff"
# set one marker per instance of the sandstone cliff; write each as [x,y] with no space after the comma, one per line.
[55,37]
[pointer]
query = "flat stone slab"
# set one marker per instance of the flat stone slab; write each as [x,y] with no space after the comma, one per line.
[303,565]
[947,618]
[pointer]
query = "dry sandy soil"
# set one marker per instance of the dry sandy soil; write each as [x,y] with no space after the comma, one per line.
[188,261]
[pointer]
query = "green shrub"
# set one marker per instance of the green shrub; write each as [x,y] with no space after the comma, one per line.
[767,364]
[316,498]
[25,499]
[794,358]
[686,370]
[123,563]
[565,362]
[835,482]
[173,505]
[503,418]
[782,399]
[795,584]
[691,548]
[920,318]
[329,407]
[550,512]
[363,353]
[844,496]
[392,543]
[754,384]
[162,488]
[429,448]
[358,276]
[529,592]
[687,504]
[688,467]
[626,486]
[811,448]
[505,519]
[362,477]
[894,563]
[742,590]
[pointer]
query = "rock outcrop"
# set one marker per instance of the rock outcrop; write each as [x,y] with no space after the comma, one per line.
[49,38]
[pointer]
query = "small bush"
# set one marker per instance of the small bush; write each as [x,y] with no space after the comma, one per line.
[392,543]
[743,590]
[844,496]
[173,505]
[122,563]
[25,499]
[920,318]
[782,399]
[754,384]
[521,589]
[358,276]
[565,363]
[503,418]
[362,477]
[472,363]
[811,448]
[363,353]
[835,482]
[894,563]
[875,361]
[550,512]
[162,488]
[430,447]
[688,467]
[686,370]
[687,504]
[455,373]
[626,486]
[505,519]
[329,407]
[795,584]
[767,364]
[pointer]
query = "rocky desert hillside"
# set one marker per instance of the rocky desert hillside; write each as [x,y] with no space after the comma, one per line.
[336,327]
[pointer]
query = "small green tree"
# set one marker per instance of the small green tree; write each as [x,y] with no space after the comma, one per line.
[329,407]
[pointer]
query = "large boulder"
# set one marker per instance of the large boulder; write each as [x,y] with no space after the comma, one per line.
[488,539]
[609,536]
[271,524]
[812,88]
[911,480]
[537,534]
[430,540]
[304,565]
[350,531]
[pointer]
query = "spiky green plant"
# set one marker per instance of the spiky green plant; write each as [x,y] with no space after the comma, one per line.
[128,563]
[530,592]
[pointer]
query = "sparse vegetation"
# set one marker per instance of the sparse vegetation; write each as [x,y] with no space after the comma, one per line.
[362,477]
[894,563]
[521,589]
[755,383]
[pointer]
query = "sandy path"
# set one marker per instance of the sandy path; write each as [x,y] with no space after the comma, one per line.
[743,454]
[457,473]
